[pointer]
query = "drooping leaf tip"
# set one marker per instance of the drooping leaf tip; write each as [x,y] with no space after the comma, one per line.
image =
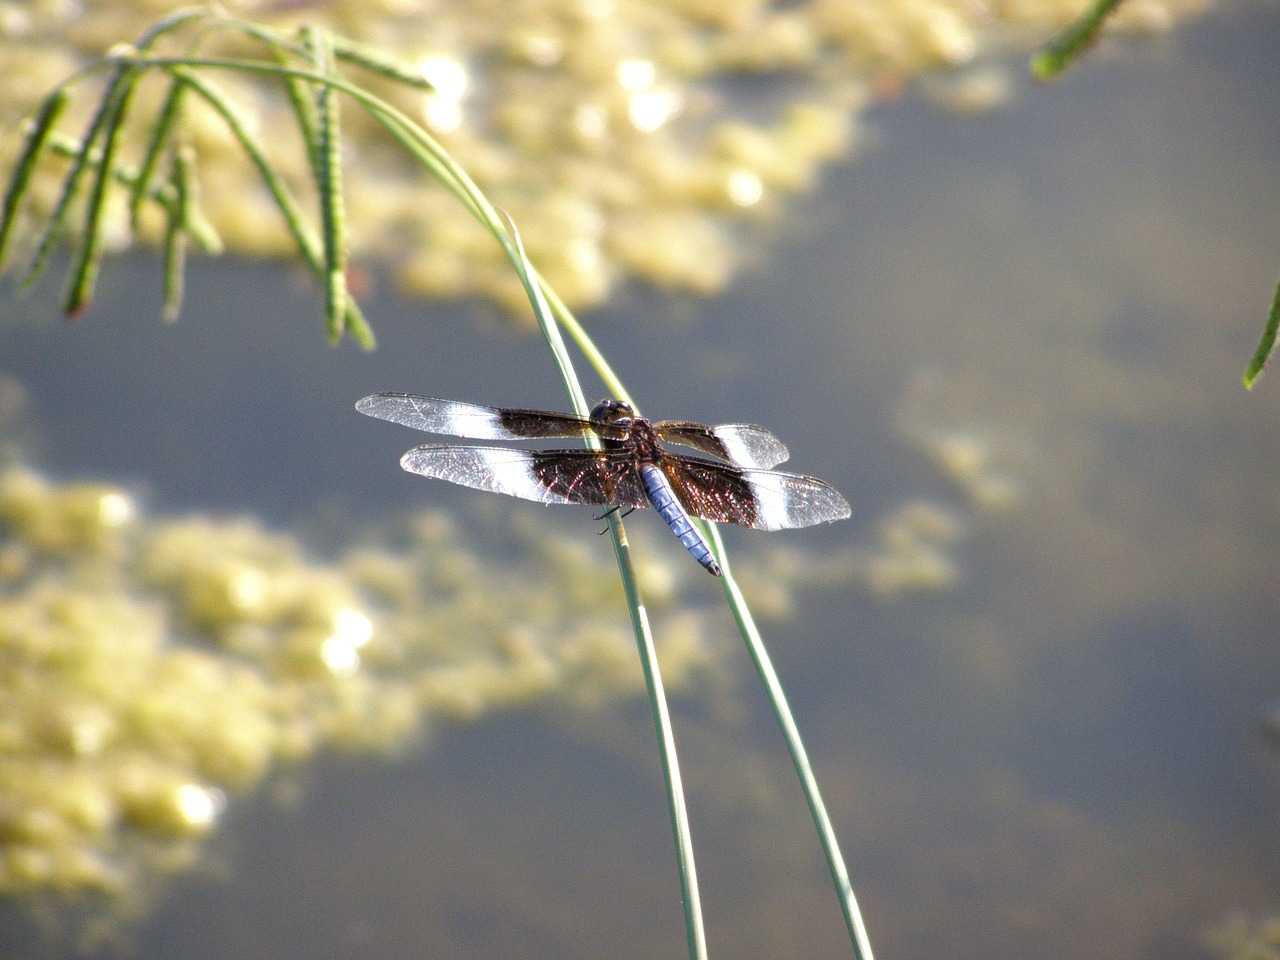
[1045,66]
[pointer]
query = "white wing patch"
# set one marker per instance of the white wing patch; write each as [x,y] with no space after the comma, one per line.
[751,446]
[435,416]
[784,501]
[495,469]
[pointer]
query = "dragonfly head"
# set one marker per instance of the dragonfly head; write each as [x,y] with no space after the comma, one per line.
[609,411]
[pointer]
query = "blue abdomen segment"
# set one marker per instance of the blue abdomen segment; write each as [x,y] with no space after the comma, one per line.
[663,498]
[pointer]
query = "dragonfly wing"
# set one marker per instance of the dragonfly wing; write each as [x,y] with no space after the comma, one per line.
[472,420]
[760,499]
[742,443]
[544,476]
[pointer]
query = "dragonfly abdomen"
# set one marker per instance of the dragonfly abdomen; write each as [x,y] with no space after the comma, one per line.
[663,498]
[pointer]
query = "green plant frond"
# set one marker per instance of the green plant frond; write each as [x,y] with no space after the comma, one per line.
[161,131]
[307,243]
[1266,345]
[313,88]
[159,192]
[172,22]
[175,234]
[85,263]
[355,322]
[366,58]
[38,137]
[327,167]
[106,126]
[409,134]
[203,232]
[107,109]
[344,49]
[1064,47]
[303,101]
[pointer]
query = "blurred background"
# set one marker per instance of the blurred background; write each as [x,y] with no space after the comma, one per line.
[265,694]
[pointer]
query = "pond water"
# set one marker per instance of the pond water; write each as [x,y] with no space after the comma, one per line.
[1014,340]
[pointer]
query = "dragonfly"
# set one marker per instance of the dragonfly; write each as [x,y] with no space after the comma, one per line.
[630,470]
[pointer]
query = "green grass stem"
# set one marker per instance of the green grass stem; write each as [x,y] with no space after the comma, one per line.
[1266,345]
[172,22]
[302,95]
[690,899]
[71,182]
[176,232]
[84,265]
[327,167]
[38,137]
[159,192]
[1069,43]
[795,747]
[366,58]
[161,131]
[307,243]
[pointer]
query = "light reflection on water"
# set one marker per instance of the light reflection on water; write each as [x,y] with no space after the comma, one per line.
[1055,758]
